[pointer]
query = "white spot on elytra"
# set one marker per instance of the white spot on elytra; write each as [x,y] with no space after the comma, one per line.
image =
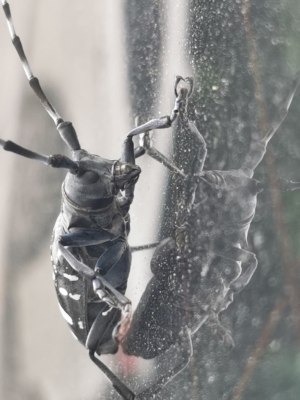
[65,315]
[71,277]
[74,296]
[63,291]
[80,324]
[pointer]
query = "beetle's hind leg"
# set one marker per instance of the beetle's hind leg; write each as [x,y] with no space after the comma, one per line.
[119,386]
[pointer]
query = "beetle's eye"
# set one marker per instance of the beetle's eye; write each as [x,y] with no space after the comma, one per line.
[124,173]
[121,168]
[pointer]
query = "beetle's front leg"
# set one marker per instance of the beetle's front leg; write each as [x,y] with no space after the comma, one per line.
[189,129]
[147,147]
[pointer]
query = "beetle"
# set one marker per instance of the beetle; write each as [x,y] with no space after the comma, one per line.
[90,254]
[200,269]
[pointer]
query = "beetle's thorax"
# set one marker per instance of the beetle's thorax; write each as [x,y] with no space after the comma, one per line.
[93,187]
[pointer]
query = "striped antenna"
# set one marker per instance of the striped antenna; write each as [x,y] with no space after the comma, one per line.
[33,81]
[65,129]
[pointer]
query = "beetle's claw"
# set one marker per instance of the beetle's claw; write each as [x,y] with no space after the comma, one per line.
[190,83]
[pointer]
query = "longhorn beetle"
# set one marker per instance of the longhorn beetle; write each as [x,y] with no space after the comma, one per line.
[90,254]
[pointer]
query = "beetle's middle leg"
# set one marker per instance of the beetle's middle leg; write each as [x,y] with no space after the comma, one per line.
[120,387]
[107,277]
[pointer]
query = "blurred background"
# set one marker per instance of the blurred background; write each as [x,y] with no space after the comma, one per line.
[102,64]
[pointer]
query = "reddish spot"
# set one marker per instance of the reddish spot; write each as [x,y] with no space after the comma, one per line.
[129,364]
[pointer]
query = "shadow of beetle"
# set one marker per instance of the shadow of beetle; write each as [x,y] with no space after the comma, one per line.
[213,213]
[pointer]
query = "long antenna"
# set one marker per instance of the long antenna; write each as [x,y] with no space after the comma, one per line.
[33,81]
[65,129]
[56,160]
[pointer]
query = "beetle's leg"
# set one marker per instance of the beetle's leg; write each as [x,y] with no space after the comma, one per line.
[258,145]
[167,121]
[128,156]
[190,129]
[86,237]
[178,356]
[128,153]
[104,286]
[66,130]
[109,264]
[158,156]
[100,337]
[82,269]
[119,386]
[144,247]
[147,147]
